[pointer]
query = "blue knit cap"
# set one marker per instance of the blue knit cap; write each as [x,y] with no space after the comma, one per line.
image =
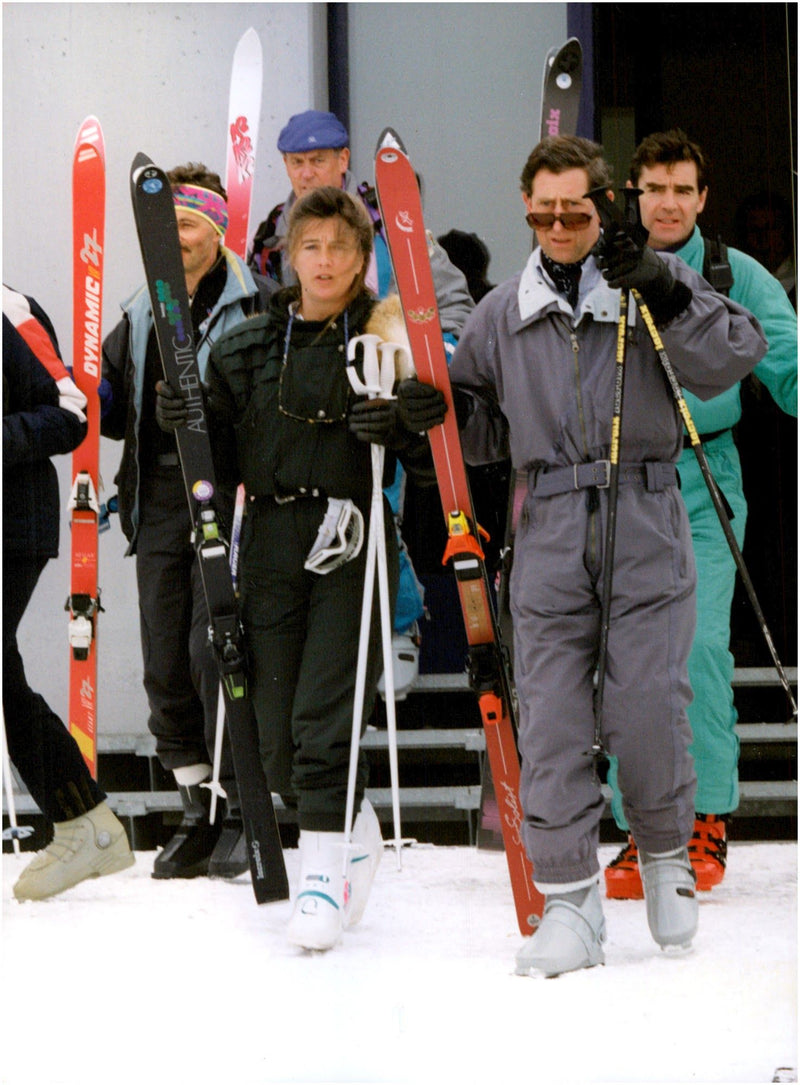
[311,131]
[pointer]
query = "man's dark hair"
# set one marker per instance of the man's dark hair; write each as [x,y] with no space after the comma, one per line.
[665,149]
[195,173]
[561,153]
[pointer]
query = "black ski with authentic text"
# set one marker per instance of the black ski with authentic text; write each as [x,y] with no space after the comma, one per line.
[156,226]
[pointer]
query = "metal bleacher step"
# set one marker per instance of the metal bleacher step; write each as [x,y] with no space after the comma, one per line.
[742,676]
[469,739]
[769,743]
[415,802]
[766,798]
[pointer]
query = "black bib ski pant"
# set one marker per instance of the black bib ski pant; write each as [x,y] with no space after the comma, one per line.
[181,679]
[302,632]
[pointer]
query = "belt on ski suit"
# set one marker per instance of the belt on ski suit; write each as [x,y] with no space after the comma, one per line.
[544,482]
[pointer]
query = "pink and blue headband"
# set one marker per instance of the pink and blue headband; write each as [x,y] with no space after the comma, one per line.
[202,201]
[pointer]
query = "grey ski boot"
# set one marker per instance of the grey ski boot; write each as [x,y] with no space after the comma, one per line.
[669,893]
[569,937]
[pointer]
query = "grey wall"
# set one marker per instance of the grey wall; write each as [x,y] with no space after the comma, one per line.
[157,76]
[460,82]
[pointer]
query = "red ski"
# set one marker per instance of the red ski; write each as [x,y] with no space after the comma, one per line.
[401,210]
[244,112]
[83,604]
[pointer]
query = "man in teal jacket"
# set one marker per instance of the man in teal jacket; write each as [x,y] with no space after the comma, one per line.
[671,172]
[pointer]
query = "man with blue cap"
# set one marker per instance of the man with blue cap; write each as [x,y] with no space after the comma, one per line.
[316,152]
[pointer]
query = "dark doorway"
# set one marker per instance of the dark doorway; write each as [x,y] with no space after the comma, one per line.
[726,74]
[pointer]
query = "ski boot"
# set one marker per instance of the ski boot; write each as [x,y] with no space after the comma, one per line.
[229,858]
[570,936]
[188,853]
[405,663]
[366,849]
[318,917]
[708,850]
[622,877]
[88,846]
[669,892]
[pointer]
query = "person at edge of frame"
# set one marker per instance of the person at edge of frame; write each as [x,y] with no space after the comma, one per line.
[43,416]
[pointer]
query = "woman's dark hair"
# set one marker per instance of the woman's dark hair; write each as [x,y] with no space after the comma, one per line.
[326,203]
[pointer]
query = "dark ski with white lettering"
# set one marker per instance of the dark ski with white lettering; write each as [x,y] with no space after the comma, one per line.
[156,226]
[561,90]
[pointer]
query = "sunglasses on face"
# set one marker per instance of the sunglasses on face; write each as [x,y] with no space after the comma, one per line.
[570,220]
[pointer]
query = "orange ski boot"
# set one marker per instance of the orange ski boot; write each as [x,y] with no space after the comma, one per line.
[623,880]
[708,850]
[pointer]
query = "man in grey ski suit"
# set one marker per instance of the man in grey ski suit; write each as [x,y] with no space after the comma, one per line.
[534,376]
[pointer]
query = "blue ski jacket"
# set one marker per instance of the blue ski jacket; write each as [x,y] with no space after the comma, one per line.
[124,352]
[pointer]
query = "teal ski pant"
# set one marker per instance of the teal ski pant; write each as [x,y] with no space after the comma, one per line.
[712,716]
[302,632]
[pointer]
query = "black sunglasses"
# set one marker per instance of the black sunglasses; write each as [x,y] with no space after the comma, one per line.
[570,220]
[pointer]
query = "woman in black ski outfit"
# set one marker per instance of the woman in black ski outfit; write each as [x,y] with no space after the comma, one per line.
[284,422]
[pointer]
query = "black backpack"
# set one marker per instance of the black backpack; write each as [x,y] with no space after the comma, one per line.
[716,267]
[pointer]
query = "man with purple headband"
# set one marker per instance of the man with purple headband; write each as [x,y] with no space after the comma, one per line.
[180,674]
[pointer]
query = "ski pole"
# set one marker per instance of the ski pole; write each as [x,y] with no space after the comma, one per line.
[714,491]
[14,832]
[378,381]
[598,749]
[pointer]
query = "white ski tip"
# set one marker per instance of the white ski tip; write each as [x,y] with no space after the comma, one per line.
[390,139]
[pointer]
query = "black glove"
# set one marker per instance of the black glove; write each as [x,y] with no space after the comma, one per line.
[376,422]
[628,264]
[420,406]
[171,409]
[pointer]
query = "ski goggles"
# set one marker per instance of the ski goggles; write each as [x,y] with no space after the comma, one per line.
[570,220]
[339,539]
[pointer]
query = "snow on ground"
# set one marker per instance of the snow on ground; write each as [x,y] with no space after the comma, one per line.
[126,980]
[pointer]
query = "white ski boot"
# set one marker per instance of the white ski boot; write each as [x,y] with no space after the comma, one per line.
[669,892]
[569,937]
[88,846]
[366,849]
[318,916]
